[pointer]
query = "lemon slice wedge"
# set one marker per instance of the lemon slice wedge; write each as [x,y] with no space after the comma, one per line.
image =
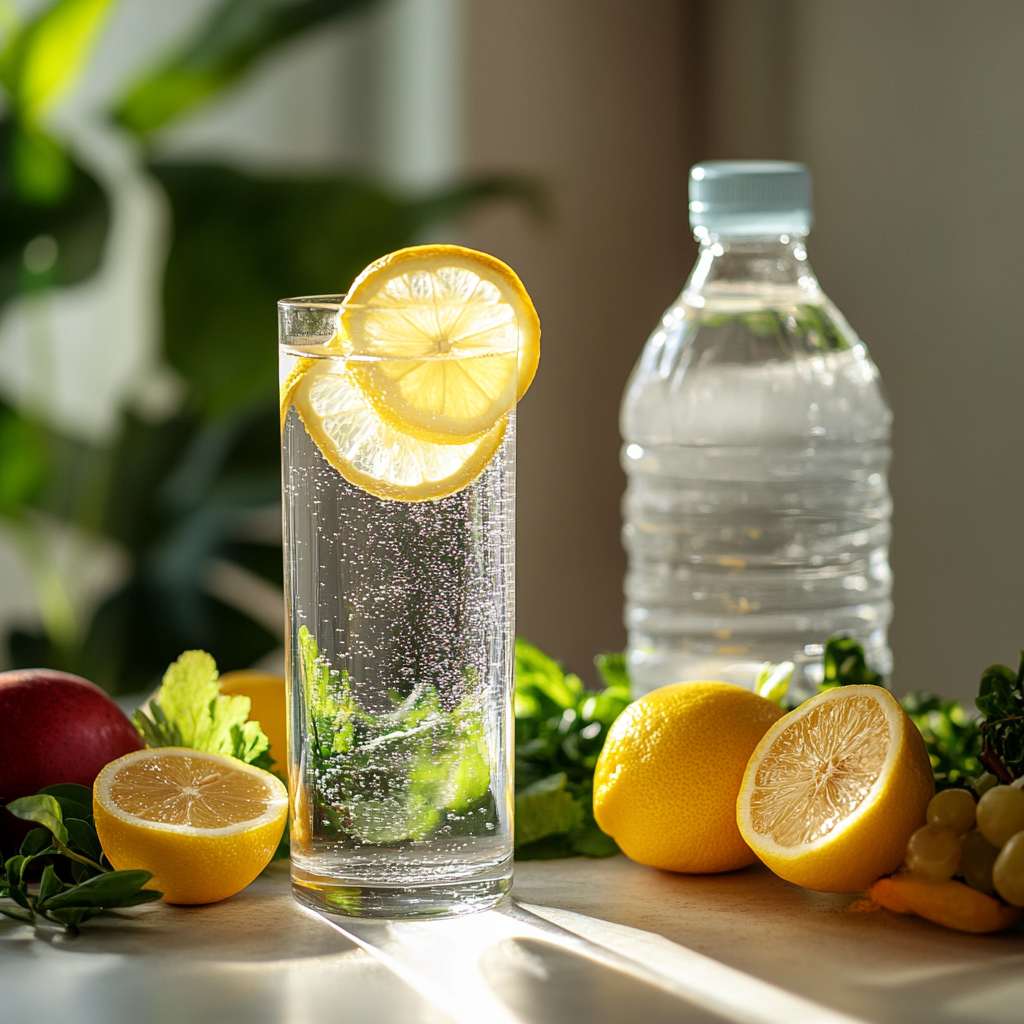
[450,337]
[369,453]
[835,789]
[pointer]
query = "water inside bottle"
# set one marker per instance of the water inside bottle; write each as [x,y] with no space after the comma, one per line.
[757,511]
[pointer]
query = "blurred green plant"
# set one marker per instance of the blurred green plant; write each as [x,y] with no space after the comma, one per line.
[184,496]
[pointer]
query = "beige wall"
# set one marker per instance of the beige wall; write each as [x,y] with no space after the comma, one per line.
[910,115]
[587,96]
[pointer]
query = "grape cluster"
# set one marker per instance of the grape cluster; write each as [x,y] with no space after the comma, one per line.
[980,840]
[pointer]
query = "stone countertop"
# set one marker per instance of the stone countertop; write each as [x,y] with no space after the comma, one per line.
[743,947]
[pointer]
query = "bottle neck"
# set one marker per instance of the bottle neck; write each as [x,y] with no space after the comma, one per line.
[752,267]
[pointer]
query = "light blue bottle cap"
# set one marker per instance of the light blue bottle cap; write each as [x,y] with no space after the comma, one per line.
[750,198]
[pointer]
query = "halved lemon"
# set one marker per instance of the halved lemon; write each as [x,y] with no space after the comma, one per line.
[834,790]
[368,452]
[450,338]
[205,825]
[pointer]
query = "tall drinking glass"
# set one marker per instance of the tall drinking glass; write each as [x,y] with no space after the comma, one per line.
[400,642]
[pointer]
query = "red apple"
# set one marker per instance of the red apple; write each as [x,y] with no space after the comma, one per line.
[54,727]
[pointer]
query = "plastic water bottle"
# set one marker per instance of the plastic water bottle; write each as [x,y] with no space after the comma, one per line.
[757,513]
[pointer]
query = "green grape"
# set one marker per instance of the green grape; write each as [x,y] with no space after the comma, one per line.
[1008,872]
[1000,813]
[984,783]
[952,808]
[976,862]
[934,853]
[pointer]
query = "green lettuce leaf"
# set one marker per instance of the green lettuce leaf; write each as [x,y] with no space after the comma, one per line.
[190,711]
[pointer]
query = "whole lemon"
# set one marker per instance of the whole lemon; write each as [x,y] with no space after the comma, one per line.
[666,783]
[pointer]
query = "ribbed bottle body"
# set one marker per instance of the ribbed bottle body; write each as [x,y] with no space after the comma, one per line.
[757,511]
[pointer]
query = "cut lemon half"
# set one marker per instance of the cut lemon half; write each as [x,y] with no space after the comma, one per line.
[450,339]
[368,452]
[205,825]
[834,790]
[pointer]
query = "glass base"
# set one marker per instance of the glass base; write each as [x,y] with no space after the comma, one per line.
[440,899]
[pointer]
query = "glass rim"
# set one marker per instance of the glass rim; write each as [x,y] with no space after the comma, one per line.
[334,301]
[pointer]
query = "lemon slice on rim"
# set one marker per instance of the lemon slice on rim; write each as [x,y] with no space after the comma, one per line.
[835,789]
[205,825]
[450,338]
[369,453]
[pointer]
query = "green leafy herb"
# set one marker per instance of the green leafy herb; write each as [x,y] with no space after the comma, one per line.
[952,738]
[560,729]
[1001,700]
[68,844]
[190,711]
[772,681]
[394,775]
[844,664]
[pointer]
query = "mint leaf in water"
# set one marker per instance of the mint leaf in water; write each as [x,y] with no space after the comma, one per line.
[190,711]
[398,774]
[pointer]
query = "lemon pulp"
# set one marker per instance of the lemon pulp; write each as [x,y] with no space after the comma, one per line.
[455,338]
[819,771]
[368,452]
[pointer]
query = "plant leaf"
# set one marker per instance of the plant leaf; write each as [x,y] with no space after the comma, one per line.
[546,808]
[83,838]
[845,664]
[36,842]
[107,891]
[237,34]
[612,670]
[43,809]
[190,711]
[49,885]
[75,801]
[42,61]
[772,682]
[25,916]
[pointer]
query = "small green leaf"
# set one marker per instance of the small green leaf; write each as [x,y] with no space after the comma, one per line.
[49,885]
[845,664]
[75,801]
[72,917]
[43,809]
[546,808]
[772,682]
[612,670]
[25,916]
[36,842]
[83,838]
[113,889]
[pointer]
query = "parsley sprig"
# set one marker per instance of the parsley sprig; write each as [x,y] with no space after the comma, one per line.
[190,711]
[68,845]
[1001,701]
[560,729]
